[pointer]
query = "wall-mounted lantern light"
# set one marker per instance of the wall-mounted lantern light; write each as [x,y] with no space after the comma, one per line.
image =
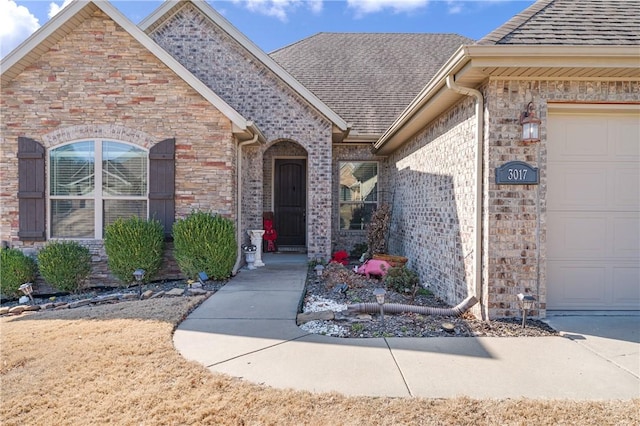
[530,125]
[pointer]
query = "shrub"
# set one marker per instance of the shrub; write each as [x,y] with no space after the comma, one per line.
[205,242]
[15,269]
[402,279]
[134,244]
[378,230]
[65,265]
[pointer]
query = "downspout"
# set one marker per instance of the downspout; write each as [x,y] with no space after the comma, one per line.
[451,84]
[253,140]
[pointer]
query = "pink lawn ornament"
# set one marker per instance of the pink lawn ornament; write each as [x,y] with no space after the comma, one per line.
[374,267]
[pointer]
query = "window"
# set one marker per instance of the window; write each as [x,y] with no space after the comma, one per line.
[358,193]
[93,183]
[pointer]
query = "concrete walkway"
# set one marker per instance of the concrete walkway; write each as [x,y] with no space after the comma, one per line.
[248,330]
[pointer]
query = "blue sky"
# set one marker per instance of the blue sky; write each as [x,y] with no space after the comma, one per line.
[272,24]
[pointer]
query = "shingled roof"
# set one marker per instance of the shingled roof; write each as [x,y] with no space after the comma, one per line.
[572,22]
[367,78]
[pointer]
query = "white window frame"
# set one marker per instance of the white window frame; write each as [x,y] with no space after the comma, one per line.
[97,196]
[340,202]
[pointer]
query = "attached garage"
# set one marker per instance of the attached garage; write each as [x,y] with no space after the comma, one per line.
[593,207]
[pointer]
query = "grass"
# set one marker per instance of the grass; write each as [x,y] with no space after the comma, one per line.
[116,364]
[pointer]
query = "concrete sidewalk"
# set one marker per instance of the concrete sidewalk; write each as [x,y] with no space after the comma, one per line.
[248,330]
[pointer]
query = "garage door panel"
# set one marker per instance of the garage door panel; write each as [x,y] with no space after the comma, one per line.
[622,293]
[626,243]
[575,187]
[625,135]
[582,284]
[576,133]
[626,190]
[567,241]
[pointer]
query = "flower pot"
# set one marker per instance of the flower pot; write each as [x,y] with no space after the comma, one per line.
[391,259]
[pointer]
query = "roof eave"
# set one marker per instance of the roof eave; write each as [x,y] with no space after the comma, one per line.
[469,66]
[150,23]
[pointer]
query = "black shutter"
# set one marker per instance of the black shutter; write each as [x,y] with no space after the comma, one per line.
[31,190]
[162,176]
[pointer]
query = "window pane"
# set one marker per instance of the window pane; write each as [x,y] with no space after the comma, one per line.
[359,181]
[124,170]
[72,169]
[114,209]
[72,218]
[355,215]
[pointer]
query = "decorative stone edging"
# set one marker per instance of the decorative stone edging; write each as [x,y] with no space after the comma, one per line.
[102,300]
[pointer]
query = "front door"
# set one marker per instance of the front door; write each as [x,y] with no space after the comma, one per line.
[290,201]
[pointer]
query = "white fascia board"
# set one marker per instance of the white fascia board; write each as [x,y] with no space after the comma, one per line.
[253,49]
[469,57]
[41,34]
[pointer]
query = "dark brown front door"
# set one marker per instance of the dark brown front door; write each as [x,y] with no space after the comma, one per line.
[290,201]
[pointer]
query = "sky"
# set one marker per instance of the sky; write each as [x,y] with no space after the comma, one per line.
[272,24]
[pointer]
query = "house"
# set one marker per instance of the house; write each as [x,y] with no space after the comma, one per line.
[103,118]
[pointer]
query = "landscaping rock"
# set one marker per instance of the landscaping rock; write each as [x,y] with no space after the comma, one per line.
[175,292]
[158,295]
[106,299]
[4,310]
[314,316]
[129,296]
[32,308]
[79,303]
[17,310]
[196,291]
[147,294]
[46,306]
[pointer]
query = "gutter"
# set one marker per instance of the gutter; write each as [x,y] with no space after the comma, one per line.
[467,91]
[256,136]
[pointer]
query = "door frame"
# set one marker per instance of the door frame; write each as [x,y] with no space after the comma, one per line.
[306,183]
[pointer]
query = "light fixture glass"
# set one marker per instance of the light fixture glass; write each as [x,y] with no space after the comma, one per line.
[530,125]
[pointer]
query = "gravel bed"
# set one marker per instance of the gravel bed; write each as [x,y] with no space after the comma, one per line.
[324,294]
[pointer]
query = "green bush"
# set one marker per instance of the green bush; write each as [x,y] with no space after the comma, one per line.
[65,265]
[205,242]
[134,244]
[15,270]
[402,279]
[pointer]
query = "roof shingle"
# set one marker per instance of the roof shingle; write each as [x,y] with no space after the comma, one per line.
[572,22]
[368,78]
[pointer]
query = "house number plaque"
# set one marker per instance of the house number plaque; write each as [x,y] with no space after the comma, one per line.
[517,173]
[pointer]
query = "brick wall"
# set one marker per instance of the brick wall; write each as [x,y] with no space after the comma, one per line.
[516,215]
[432,179]
[99,82]
[259,95]
[433,183]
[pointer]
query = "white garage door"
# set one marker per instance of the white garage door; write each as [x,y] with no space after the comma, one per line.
[593,209]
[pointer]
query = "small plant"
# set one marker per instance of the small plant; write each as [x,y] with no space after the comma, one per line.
[424,292]
[65,265]
[378,230]
[315,262]
[358,250]
[205,242]
[402,279]
[357,327]
[15,269]
[340,257]
[134,244]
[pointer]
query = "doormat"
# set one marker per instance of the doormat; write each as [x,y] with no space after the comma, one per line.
[292,249]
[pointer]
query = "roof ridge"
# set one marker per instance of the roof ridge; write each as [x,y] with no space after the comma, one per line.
[495,36]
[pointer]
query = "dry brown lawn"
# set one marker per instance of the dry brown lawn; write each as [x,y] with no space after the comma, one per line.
[116,364]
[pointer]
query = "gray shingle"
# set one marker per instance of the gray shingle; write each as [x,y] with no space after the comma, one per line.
[572,22]
[368,78]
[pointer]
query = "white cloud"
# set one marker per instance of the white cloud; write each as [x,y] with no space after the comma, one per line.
[54,8]
[279,8]
[16,24]
[455,7]
[364,7]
